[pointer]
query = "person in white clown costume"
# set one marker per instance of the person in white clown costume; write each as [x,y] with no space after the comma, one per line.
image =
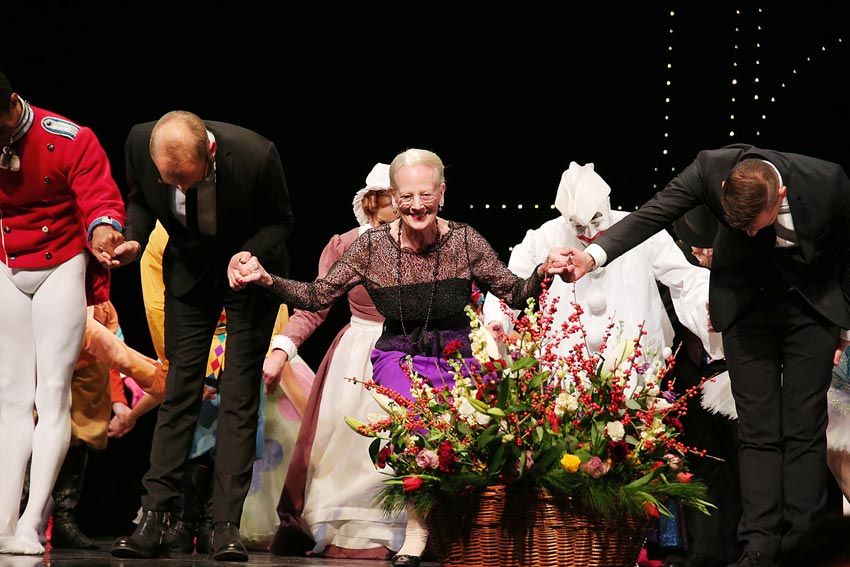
[625,291]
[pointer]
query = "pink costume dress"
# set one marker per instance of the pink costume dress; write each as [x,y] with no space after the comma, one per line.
[327,502]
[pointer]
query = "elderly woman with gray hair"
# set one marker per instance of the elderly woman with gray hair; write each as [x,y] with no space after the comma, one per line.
[418,270]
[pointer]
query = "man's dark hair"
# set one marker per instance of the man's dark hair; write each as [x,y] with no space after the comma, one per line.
[751,187]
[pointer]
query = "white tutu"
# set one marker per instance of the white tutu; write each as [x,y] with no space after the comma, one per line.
[717,398]
[259,513]
[838,398]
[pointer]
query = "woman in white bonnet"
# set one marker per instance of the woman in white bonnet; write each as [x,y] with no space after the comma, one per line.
[331,482]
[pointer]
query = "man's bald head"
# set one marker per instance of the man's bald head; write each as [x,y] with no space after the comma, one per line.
[180,148]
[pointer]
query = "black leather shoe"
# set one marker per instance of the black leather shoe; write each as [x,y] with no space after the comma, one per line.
[226,543]
[147,541]
[406,561]
[755,559]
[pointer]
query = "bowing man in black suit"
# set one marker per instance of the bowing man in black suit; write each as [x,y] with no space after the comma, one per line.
[220,193]
[780,294]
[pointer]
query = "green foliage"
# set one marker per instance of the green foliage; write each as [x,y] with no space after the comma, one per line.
[600,432]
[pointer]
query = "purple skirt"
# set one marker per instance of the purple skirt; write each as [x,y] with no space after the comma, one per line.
[387,370]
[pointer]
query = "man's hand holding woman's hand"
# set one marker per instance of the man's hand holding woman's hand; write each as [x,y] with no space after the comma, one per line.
[570,263]
[244,268]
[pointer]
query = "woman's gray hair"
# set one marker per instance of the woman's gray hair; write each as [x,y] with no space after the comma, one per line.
[415,156]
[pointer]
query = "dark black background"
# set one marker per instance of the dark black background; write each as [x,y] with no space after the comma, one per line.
[506,96]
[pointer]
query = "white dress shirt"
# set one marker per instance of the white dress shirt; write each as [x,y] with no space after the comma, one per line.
[206,201]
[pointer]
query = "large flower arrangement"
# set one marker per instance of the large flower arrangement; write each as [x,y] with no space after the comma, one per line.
[595,426]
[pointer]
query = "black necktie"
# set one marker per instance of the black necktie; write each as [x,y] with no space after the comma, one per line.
[781,231]
[785,233]
[192,210]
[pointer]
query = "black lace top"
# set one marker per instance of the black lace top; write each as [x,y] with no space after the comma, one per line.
[421,294]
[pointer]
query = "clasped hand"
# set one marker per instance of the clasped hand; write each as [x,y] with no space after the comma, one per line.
[245,268]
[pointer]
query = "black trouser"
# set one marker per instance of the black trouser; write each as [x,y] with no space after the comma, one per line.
[779,353]
[189,325]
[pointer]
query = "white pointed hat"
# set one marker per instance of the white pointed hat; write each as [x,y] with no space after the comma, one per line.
[581,194]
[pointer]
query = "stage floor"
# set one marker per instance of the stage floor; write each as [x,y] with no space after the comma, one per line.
[101,558]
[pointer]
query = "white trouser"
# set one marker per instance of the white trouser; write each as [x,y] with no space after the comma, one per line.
[42,320]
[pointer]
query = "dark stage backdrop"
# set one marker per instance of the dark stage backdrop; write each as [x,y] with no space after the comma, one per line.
[507,97]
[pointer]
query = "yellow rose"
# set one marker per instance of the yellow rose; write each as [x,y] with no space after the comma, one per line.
[570,462]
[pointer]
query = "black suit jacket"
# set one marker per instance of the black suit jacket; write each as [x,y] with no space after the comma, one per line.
[819,199]
[252,207]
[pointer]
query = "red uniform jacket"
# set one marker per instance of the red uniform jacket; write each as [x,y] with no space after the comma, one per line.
[63,185]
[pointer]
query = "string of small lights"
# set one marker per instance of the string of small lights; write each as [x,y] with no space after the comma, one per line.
[752,117]
[745,70]
[665,163]
[754,88]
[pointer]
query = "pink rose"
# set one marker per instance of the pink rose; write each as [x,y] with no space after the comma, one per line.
[595,467]
[673,461]
[427,459]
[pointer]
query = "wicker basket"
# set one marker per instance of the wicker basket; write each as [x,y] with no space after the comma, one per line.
[529,528]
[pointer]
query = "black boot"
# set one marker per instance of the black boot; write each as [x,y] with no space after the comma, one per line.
[187,515]
[66,495]
[205,526]
[181,535]
[148,541]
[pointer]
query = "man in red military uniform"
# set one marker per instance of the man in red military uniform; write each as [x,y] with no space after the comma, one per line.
[57,197]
